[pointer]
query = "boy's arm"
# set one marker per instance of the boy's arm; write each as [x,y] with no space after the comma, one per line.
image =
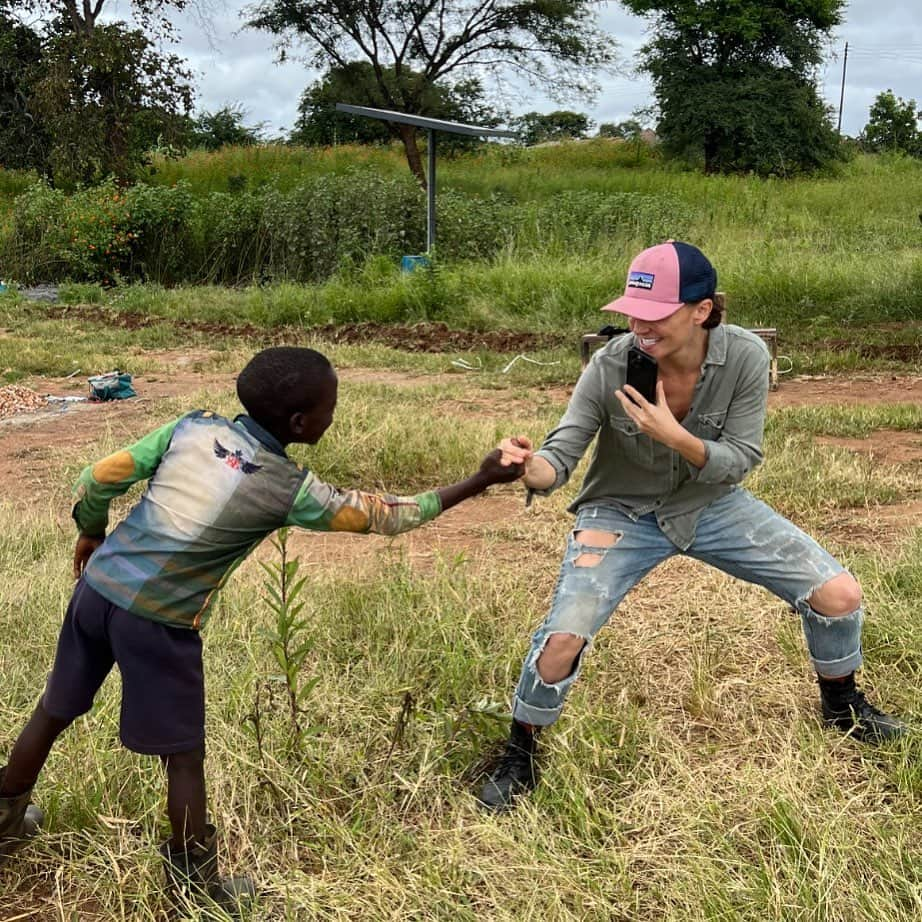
[101,482]
[321,507]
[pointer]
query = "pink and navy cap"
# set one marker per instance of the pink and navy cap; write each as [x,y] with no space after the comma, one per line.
[663,278]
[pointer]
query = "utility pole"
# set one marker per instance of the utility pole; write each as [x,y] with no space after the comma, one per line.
[842,94]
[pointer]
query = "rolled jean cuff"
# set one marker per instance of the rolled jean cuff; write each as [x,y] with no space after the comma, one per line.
[834,642]
[529,714]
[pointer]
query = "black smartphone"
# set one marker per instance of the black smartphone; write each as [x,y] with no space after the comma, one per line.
[641,372]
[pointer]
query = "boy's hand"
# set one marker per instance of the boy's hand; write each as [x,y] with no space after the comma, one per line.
[499,467]
[86,545]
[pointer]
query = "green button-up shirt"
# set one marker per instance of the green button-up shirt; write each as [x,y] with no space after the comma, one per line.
[638,475]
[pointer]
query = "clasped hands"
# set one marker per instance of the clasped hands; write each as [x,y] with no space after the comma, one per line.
[652,419]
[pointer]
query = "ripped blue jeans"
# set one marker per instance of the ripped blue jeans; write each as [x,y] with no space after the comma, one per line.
[737,533]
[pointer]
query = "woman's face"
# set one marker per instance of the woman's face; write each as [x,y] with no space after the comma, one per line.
[661,338]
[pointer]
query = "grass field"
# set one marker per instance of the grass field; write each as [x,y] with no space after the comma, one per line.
[689,779]
[832,261]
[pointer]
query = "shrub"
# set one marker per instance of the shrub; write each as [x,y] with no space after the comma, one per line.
[98,234]
[328,223]
[337,220]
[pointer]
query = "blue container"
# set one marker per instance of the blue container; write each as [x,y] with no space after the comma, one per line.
[412,263]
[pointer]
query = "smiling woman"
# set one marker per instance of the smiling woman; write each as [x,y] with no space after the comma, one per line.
[664,480]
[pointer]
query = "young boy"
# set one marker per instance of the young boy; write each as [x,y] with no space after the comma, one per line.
[217,488]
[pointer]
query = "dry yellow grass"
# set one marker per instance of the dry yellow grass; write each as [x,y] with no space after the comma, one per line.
[689,778]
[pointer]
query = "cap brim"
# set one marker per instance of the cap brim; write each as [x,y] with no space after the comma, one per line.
[642,308]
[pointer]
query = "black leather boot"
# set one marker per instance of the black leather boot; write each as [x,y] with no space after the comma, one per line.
[847,709]
[517,772]
[19,820]
[194,871]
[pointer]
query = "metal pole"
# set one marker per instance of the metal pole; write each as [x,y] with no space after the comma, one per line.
[842,94]
[430,187]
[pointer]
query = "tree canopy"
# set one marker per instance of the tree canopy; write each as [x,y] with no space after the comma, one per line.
[214,130]
[357,83]
[540,127]
[105,98]
[893,124]
[82,16]
[554,43]
[81,105]
[734,81]
[23,140]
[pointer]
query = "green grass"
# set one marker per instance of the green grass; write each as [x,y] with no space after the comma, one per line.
[831,261]
[689,778]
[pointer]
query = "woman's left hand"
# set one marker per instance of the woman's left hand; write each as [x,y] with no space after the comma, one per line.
[653,419]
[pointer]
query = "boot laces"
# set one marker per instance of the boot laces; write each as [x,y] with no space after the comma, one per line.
[514,759]
[863,708]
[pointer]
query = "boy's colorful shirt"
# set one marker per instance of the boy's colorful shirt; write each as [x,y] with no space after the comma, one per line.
[217,488]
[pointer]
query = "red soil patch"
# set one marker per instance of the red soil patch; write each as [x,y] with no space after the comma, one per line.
[887,446]
[34,448]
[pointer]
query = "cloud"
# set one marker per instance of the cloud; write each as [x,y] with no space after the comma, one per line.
[237,65]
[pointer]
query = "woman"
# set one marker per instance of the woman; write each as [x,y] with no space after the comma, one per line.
[664,480]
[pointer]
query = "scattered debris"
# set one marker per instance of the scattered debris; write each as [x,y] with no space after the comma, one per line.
[48,294]
[16,399]
[113,385]
[525,358]
[466,365]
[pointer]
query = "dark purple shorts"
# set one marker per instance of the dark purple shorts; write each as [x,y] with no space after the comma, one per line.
[163,688]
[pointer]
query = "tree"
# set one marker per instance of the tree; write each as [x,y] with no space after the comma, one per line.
[23,140]
[893,124]
[214,130]
[734,82]
[82,16]
[103,97]
[628,130]
[537,128]
[320,124]
[554,43]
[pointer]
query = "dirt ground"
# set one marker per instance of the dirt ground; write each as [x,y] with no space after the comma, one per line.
[33,448]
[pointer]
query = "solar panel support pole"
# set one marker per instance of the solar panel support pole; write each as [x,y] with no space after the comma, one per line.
[431,126]
[430,189]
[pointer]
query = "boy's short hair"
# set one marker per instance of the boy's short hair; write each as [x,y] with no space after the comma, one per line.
[283,380]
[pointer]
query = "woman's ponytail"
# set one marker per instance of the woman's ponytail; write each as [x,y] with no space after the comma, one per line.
[715,318]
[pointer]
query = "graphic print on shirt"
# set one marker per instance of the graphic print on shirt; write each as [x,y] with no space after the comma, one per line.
[235,459]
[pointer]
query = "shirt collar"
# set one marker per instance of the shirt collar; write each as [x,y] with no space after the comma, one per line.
[717,346]
[263,436]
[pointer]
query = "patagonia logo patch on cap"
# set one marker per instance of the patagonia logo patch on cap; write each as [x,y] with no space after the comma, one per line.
[640,280]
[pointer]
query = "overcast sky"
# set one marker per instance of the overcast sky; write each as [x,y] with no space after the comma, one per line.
[236,65]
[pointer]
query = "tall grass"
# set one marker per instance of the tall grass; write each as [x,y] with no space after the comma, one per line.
[688,779]
[524,246]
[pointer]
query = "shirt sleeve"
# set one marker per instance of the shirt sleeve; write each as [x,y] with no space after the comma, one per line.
[321,507]
[566,444]
[101,482]
[738,448]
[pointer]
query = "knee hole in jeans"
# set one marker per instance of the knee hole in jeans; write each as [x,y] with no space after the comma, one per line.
[596,543]
[838,596]
[560,657]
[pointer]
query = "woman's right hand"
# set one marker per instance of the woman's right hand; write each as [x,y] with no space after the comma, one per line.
[516,450]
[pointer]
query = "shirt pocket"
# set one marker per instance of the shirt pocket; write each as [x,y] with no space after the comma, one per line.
[630,442]
[710,425]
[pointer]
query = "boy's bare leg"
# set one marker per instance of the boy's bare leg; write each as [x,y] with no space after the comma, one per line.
[31,751]
[186,804]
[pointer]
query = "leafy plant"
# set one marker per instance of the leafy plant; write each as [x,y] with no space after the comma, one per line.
[288,639]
